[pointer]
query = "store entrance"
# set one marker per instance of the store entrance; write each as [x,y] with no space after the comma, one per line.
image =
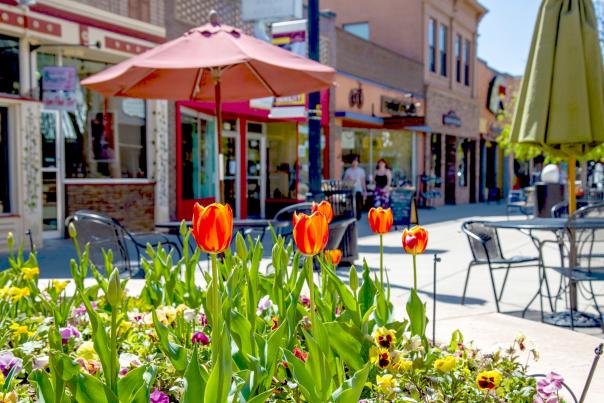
[5,205]
[450,169]
[52,175]
[256,170]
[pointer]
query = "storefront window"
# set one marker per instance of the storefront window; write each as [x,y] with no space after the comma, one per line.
[197,147]
[281,156]
[443,43]
[436,148]
[303,161]
[104,137]
[394,146]
[9,68]
[5,206]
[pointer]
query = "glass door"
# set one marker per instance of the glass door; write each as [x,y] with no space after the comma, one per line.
[256,170]
[52,183]
[230,161]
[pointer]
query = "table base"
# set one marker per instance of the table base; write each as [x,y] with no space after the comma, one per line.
[580,319]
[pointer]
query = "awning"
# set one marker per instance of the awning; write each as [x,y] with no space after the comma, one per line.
[359,120]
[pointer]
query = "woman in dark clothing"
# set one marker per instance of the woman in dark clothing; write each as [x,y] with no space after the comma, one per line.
[383,180]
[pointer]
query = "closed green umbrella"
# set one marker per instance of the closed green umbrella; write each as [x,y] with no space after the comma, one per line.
[561,100]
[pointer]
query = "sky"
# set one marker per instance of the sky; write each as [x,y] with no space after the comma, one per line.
[505,33]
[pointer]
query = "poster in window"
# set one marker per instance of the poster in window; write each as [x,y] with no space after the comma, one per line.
[102,139]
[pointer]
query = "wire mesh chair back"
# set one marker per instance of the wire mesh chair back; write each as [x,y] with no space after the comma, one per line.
[590,241]
[102,233]
[340,194]
[484,241]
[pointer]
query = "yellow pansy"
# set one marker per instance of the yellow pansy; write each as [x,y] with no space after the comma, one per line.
[170,313]
[10,397]
[86,351]
[16,293]
[386,384]
[18,329]
[59,285]
[401,364]
[445,364]
[384,337]
[124,326]
[380,357]
[488,380]
[30,273]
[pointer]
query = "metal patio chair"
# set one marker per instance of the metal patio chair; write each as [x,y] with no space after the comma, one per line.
[105,233]
[589,267]
[486,250]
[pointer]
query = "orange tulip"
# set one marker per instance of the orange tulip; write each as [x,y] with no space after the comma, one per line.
[324,208]
[334,256]
[310,233]
[380,220]
[212,227]
[415,240]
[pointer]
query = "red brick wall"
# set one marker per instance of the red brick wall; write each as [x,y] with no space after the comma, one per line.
[131,204]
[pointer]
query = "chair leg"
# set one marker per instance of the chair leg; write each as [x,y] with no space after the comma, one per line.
[465,287]
[505,279]
[549,294]
[494,288]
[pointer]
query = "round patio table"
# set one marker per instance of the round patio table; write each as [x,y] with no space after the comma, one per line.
[572,318]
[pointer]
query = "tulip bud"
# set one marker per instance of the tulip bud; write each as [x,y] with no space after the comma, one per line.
[10,241]
[114,291]
[353,279]
[73,234]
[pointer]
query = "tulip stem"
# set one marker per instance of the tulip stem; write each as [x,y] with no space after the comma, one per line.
[381,261]
[113,351]
[311,288]
[414,273]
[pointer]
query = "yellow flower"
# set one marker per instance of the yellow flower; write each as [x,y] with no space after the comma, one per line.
[488,380]
[18,329]
[16,293]
[181,308]
[170,313]
[30,273]
[386,383]
[445,364]
[86,351]
[124,326]
[59,285]
[10,397]
[380,356]
[2,379]
[384,337]
[402,365]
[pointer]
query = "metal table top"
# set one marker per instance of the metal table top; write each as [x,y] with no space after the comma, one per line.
[548,224]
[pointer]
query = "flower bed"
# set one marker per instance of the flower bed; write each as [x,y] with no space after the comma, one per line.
[248,336]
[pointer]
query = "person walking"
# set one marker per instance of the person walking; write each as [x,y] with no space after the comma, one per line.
[383,181]
[356,174]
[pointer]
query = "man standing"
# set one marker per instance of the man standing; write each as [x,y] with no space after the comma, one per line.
[356,174]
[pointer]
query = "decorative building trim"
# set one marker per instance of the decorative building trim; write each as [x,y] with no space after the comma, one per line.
[160,169]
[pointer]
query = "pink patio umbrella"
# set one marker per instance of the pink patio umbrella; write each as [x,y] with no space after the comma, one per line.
[212,63]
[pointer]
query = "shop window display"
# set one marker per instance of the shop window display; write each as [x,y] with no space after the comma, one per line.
[281,156]
[462,162]
[9,68]
[197,148]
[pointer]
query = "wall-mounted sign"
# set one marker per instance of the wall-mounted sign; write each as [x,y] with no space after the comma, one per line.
[348,140]
[254,10]
[134,107]
[496,95]
[355,97]
[59,88]
[398,106]
[451,119]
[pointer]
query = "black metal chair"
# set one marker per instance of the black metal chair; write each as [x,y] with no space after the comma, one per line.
[486,250]
[589,264]
[104,233]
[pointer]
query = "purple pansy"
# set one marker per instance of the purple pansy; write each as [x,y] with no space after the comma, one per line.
[201,338]
[68,333]
[158,396]
[548,388]
[8,361]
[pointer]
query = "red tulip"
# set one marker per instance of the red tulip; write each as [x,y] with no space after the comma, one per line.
[212,227]
[415,240]
[310,233]
[334,256]
[380,220]
[324,208]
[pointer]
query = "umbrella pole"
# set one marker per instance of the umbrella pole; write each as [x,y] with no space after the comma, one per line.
[572,206]
[572,194]
[217,100]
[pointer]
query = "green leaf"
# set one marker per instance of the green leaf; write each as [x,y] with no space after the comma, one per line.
[367,292]
[351,389]
[195,380]
[456,338]
[262,397]
[240,246]
[44,391]
[176,353]
[240,331]
[304,379]
[417,314]
[383,311]
[90,389]
[353,279]
[135,386]
[347,341]
[219,381]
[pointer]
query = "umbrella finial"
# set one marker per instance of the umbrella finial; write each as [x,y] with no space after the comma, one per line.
[213,17]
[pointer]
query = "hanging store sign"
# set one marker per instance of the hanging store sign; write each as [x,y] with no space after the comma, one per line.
[451,119]
[59,85]
[355,97]
[255,10]
[398,106]
[497,94]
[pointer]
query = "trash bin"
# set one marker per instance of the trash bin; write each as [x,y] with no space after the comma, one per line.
[546,196]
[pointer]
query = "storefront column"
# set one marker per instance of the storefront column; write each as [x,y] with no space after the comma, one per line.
[25,71]
[30,172]
[159,152]
[414,159]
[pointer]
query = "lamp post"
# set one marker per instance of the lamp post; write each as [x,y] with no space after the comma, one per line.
[314,105]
